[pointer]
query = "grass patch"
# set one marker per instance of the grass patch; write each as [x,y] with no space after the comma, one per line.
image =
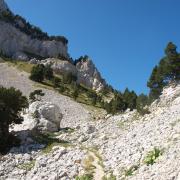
[121,125]
[151,157]
[20,65]
[131,170]
[84,177]
[110,177]
[50,140]
[27,166]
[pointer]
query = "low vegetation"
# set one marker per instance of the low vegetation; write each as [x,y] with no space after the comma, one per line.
[110,177]
[84,177]
[131,170]
[50,140]
[27,166]
[151,157]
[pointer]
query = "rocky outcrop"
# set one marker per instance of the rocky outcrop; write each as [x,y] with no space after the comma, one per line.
[89,75]
[43,117]
[20,40]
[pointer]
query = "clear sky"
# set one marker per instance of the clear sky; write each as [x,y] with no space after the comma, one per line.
[125,38]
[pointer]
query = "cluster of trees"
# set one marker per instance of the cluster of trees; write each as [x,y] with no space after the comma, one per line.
[33,31]
[41,72]
[166,71]
[127,100]
[12,102]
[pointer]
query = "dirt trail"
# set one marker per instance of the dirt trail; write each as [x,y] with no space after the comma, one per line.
[98,171]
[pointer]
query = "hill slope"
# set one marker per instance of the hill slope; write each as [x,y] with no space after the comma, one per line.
[120,143]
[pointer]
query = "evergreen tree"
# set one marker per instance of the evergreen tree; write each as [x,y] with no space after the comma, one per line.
[37,73]
[130,99]
[12,102]
[167,70]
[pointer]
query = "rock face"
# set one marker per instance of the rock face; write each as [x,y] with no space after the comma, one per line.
[89,75]
[3,6]
[43,117]
[19,45]
[20,40]
[85,70]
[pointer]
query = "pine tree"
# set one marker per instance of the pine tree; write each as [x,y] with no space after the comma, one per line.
[12,102]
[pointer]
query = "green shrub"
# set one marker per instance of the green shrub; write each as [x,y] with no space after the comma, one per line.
[151,157]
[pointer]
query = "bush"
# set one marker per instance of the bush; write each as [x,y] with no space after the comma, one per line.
[37,73]
[12,102]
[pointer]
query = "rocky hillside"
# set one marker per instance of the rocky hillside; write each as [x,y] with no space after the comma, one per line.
[125,146]
[20,40]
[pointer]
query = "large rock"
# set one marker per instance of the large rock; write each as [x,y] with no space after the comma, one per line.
[43,117]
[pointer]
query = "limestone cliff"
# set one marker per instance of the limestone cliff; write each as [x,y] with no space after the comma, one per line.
[20,40]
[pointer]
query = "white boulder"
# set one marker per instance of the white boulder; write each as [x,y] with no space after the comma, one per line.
[44,117]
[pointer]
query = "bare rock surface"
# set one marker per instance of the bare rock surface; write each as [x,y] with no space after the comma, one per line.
[89,75]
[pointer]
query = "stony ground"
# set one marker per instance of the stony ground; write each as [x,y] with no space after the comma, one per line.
[116,145]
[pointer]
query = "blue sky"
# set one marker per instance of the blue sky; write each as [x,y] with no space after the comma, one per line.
[125,38]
